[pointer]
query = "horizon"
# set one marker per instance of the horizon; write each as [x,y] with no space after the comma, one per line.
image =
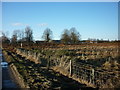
[97,20]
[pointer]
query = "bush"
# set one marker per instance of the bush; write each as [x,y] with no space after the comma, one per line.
[65,52]
[49,53]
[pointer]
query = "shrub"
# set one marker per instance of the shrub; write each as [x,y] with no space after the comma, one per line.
[65,52]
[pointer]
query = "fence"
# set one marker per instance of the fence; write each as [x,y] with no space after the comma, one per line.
[84,73]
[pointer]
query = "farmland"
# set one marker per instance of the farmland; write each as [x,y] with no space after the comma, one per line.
[59,66]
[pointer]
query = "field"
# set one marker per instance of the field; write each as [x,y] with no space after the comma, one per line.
[95,65]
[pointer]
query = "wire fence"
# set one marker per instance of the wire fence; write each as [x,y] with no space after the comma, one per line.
[80,71]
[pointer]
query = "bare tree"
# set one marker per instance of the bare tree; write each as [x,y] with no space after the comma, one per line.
[14,39]
[21,36]
[70,36]
[65,38]
[18,33]
[74,36]
[28,34]
[5,39]
[15,36]
[47,35]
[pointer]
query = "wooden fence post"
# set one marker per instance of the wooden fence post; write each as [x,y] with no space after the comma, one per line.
[93,75]
[70,68]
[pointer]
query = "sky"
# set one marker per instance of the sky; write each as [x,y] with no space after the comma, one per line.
[91,19]
[60,0]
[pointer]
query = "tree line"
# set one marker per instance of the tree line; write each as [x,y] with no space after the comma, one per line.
[71,36]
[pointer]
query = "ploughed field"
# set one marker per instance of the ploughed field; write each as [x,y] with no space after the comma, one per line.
[67,66]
